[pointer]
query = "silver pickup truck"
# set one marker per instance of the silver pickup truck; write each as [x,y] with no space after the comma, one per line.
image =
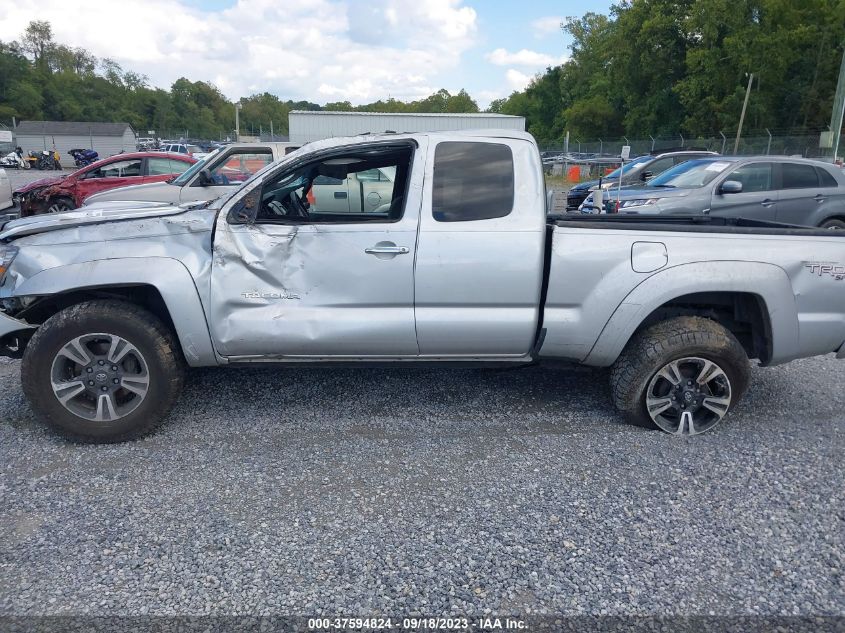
[457,263]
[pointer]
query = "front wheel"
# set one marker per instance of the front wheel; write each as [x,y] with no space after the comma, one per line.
[102,371]
[834,224]
[60,205]
[682,375]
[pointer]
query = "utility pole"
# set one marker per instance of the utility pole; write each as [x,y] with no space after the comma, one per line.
[742,116]
[237,122]
[838,109]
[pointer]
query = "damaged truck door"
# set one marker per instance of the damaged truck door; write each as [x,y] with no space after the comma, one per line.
[294,274]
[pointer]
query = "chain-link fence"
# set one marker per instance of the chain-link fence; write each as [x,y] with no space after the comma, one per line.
[806,145]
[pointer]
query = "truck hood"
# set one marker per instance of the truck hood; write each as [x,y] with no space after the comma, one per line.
[157,191]
[98,214]
[37,184]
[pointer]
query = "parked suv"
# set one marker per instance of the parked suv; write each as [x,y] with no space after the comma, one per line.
[771,188]
[637,171]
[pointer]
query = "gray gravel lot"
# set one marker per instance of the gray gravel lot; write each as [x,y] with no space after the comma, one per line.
[350,492]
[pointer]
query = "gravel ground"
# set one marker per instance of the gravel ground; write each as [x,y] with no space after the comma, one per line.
[436,491]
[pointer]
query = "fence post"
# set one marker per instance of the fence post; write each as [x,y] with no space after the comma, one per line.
[724,142]
[652,142]
[682,138]
[769,146]
[601,147]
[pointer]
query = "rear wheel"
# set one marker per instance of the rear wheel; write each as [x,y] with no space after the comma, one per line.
[60,204]
[682,376]
[102,371]
[834,224]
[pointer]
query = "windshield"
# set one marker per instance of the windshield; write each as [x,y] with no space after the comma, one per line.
[690,175]
[627,168]
[186,176]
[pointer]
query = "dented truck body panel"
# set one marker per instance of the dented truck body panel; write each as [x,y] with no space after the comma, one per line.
[168,248]
[312,290]
[516,288]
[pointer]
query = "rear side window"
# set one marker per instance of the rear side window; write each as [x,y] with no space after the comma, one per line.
[825,178]
[472,181]
[797,176]
[159,166]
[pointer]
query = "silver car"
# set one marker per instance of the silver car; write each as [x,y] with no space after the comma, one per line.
[770,188]
[219,173]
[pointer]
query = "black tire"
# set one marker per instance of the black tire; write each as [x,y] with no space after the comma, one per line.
[59,204]
[155,342]
[652,349]
[834,224]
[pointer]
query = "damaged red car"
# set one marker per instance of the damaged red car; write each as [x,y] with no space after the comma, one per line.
[63,193]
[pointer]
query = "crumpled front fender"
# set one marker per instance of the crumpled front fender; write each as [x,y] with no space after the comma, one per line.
[169,276]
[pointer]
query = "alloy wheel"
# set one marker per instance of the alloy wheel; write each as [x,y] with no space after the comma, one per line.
[688,396]
[100,377]
[59,207]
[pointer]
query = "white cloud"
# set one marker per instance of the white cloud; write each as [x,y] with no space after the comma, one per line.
[524,57]
[299,49]
[517,80]
[543,27]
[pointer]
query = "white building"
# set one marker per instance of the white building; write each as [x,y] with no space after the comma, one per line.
[305,126]
[106,139]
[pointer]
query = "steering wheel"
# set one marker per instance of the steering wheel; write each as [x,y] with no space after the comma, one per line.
[292,206]
[299,205]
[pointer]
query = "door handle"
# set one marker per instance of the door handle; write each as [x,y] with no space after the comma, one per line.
[387,250]
[768,203]
[819,198]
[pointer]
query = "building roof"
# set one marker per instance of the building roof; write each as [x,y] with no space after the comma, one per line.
[472,115]
[70,128]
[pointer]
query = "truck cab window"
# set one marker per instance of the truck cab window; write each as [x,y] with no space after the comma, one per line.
[362,187]
[472,181]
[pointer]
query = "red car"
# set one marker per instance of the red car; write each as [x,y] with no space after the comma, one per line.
[63,193]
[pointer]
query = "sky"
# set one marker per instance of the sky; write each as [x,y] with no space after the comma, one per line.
[319,50]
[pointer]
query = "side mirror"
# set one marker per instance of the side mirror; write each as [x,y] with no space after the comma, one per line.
[205,178]
[731,186]
[646,175]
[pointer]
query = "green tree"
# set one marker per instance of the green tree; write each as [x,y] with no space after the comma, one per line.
[37,40]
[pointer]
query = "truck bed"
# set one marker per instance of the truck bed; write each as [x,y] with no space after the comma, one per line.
[610,275]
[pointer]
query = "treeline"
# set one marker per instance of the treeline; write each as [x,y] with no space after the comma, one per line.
[41,79]
[650,67]
[661,67]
